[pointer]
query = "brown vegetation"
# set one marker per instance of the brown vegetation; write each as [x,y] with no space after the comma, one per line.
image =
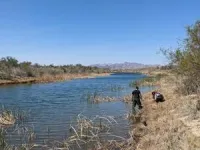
[173,124]
[50,78]
[6,118]
[186,60]
[13,72]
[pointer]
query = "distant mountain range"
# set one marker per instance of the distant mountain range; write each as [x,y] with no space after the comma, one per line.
[123,66]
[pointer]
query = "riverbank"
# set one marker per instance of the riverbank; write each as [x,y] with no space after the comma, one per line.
[62,101]
[153,77]
[51,78]
[173,124]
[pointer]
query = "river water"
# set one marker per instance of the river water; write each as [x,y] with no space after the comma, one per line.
[51,108]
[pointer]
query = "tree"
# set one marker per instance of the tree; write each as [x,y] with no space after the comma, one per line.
[186,58]
[9,61]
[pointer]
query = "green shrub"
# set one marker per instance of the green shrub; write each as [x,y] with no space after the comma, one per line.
[186,59]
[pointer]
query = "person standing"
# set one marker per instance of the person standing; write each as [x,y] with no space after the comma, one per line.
[136,98]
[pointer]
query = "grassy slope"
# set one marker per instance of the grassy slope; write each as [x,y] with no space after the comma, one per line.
[173,124]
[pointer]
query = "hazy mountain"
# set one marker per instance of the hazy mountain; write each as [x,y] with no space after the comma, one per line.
[122,66]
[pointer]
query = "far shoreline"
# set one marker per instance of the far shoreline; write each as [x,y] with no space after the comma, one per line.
[58,78]
[50,78]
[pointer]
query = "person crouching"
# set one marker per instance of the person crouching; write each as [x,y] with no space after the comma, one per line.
[158,97]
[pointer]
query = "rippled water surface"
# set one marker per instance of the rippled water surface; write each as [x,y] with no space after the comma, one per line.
[52,107]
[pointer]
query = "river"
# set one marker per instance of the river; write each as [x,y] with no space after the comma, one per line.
[51,108]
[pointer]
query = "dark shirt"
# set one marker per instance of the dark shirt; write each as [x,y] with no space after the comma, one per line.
[136,94]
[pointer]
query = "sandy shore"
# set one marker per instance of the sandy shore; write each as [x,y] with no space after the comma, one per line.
[50,78]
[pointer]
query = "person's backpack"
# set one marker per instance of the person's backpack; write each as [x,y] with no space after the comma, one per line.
[159,97]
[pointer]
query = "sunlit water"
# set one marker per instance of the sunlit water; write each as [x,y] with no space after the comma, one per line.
[52,107]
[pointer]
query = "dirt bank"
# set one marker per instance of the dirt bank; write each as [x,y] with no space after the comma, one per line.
[171,125]
[50,78]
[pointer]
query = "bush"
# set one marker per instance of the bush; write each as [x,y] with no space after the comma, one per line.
[186,59]
[9,61]
[11,69]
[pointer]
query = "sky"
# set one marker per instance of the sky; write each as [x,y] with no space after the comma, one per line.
[93,31]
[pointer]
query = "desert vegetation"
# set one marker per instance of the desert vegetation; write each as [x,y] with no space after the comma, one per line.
[12,70]
[186,60]
[173,124]
[151,80]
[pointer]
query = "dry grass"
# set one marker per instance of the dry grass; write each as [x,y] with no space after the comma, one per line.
[90,134]
[94,133]
[127,99]
[171,125]
[96,97]
[101,99]
[7,118]
[51,78]
[153,71]
[153,77]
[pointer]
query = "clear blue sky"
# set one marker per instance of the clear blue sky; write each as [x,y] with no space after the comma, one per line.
[93,31]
